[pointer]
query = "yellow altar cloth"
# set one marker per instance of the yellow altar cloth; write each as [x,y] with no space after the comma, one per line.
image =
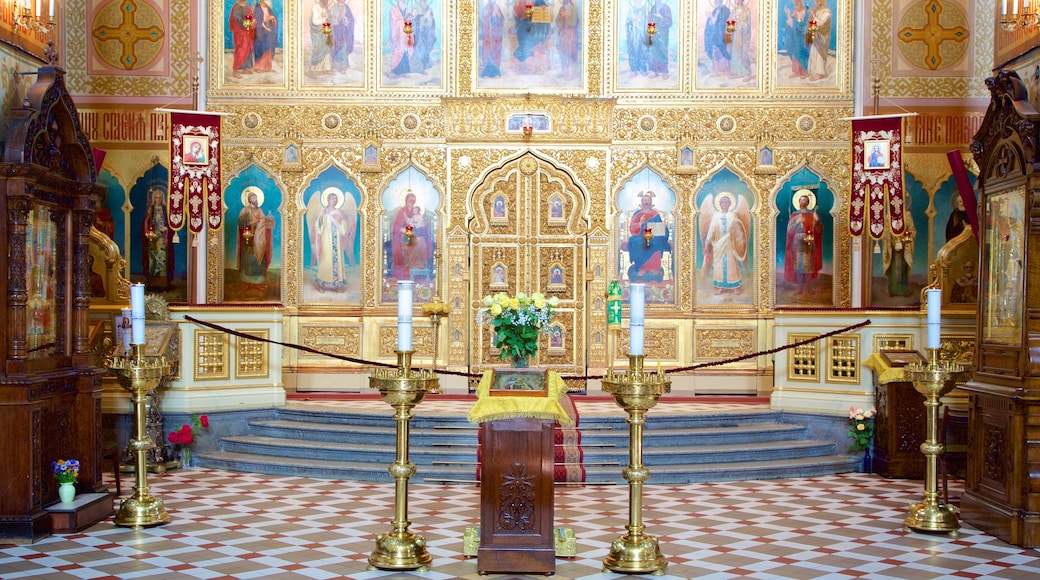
[488,408]
[885,373]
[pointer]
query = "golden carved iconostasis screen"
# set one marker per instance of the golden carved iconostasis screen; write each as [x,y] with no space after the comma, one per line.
[529,234]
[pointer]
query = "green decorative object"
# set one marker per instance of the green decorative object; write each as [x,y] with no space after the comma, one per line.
[614,304]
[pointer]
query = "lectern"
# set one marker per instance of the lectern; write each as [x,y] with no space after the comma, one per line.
[516,487]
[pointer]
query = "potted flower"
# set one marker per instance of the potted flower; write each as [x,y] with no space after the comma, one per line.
[184,437]
[66,471]
[861,428]
[517,321]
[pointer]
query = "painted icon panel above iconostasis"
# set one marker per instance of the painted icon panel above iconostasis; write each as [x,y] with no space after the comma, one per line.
[253,238]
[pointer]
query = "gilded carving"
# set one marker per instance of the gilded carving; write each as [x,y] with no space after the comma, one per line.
[422,343]
[803,362]
[251,355]
[843,356]
[211,355]
[334,338]
[893,342]
[723,343]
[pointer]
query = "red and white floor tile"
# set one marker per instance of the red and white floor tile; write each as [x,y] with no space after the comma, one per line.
[241,525]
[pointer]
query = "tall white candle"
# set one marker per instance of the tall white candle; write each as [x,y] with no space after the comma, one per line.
[38,9]
[637,302]
[934,296]
[137,300]
[51,11]
[404,315]
[137,313]
[635,339]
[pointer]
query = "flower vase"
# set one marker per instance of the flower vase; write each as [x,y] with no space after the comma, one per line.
[867,461]
[186,457]
[520,362]
[67,491]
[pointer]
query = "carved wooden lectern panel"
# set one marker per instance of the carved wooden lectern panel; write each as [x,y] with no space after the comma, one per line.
[516,497]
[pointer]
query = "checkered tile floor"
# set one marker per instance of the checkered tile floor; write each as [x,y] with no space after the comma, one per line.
[235,525]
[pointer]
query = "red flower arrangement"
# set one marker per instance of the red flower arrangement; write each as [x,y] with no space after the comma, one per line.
[185,436]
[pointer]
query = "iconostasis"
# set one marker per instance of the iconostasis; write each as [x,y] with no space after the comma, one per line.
[348,119]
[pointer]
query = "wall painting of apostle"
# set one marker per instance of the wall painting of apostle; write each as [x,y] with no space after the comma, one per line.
[725,241]
[648,44]
[804,242]
[525,44]
[900,267]
[332,43]
[413,44]
[807,54]
[646,234]
[727,54]
[157,255]
[252,238]
[951,215]
[410,227]
[331,245]
[253,42]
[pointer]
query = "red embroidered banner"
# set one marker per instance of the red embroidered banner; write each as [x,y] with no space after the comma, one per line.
[877,166]
[195,170]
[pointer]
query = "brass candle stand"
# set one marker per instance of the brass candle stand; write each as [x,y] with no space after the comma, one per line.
[140,375]
[636,392]
[402,388]
[933,380]
[436,310]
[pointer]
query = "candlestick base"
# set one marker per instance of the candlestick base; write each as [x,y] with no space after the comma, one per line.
[932,516]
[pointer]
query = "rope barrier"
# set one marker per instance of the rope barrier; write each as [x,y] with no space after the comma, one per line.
[567,377]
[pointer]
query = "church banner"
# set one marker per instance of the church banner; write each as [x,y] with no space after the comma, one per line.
[877,168]
[195,171]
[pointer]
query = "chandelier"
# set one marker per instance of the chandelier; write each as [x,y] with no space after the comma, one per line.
[29,20]
[1019,17]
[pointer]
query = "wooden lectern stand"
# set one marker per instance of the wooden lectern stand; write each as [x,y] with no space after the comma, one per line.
[516,487]
[516,497]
